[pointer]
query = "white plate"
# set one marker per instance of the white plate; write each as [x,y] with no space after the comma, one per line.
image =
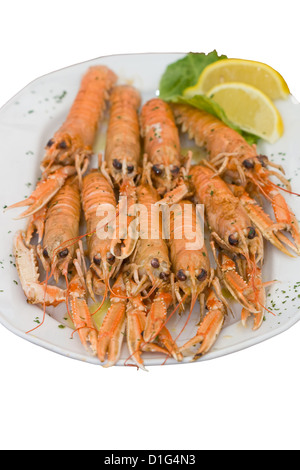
[27,122]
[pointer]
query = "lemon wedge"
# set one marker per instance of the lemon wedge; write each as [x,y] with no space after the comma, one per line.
[250,109]
[257,74]
[98,315]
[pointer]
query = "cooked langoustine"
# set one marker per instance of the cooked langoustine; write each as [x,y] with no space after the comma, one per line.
[99,205]
[227,219]
[232,230]
[239,163]
[151,257]
[162,147]
[123,161]
[269,229]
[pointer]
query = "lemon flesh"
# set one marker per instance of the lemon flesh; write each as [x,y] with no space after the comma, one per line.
[98,315]
[250,109]
[257,74]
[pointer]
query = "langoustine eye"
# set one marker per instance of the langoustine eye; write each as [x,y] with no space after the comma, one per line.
[110,258]
[97,260]
[50,143]
[62,145]
[64,253]
[158,170]
[155,263]
[248,164]
[263,159]
[164,275]
[233,239]
[117,164]
[202,276]
[174,170]
[251,233]
[181,276]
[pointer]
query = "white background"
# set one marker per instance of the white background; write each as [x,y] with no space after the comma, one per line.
[248,400]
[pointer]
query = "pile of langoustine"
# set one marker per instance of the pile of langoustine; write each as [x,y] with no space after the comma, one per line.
[146,277]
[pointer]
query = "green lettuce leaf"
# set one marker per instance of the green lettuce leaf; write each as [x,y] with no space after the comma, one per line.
[185,73]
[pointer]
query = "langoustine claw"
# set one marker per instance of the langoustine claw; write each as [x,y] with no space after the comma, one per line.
[27,266]
[270,230]
[137,312]
[209,328]
[45,190]
[112,331]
